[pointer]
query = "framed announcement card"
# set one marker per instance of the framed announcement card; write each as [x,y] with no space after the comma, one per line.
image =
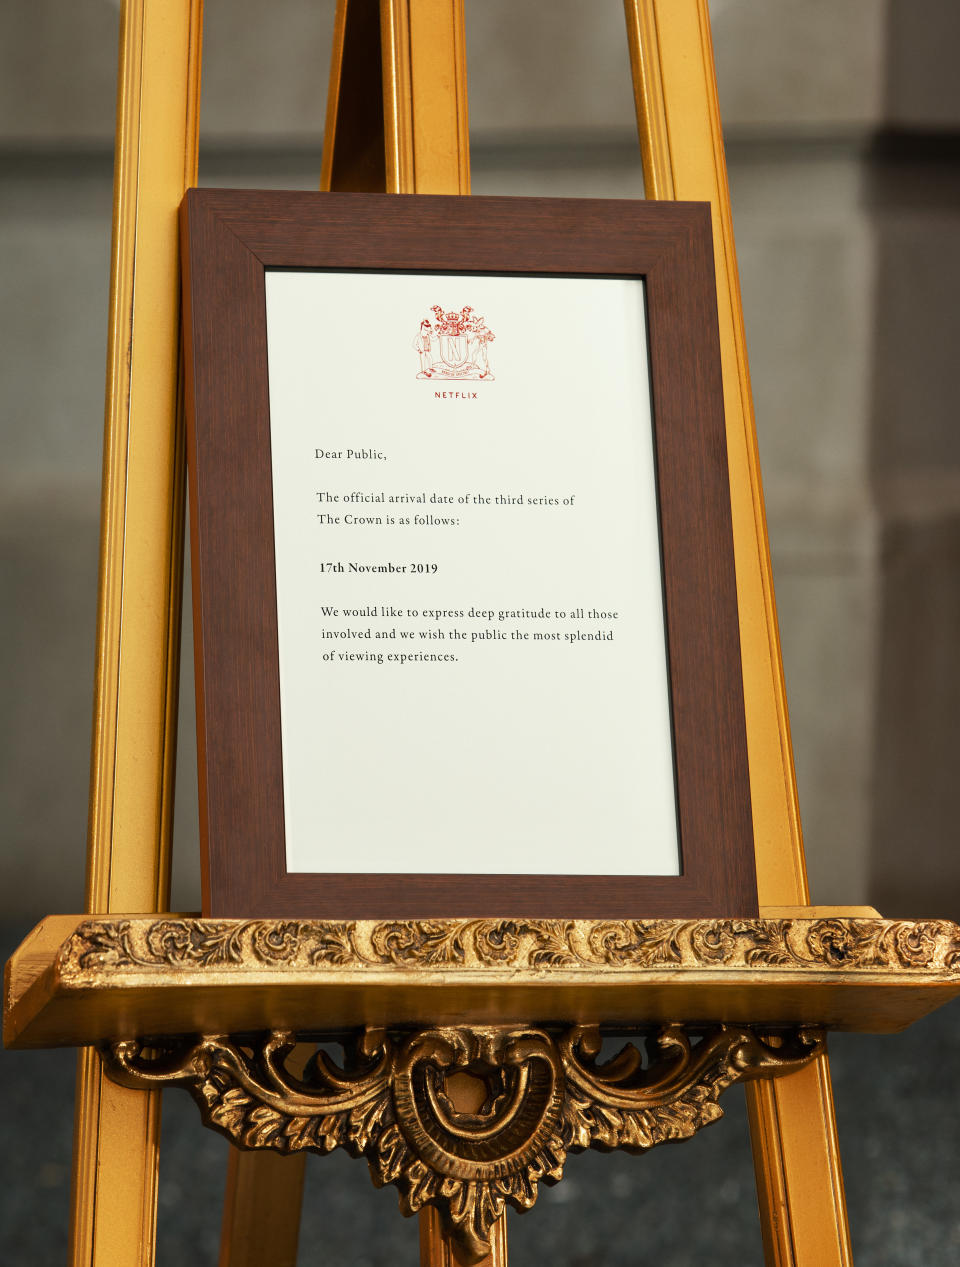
[464,597]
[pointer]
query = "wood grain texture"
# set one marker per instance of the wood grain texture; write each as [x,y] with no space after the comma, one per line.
[229,239]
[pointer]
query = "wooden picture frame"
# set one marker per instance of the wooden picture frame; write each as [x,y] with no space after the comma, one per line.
[230,240]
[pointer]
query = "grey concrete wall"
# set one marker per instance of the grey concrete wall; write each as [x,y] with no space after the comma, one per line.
[848,263]
[54,237]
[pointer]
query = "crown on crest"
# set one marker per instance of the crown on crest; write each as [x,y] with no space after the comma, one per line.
[454,323]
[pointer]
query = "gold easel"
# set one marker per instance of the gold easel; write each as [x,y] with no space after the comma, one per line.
[397,122]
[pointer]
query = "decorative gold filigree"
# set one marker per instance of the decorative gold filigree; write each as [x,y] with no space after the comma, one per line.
[541,1098]
[530,944]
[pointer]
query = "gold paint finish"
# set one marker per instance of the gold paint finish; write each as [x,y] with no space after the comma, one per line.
[262,1199]
[261,1209]
[389,1103]
[678,119]
[143,479]
[425,96]
[397,99]
[834,943]
[398,112]
[121,977]
[803,1214]
[800,1187]
[439,1250]
[141,558]
[648,99]
[333,115]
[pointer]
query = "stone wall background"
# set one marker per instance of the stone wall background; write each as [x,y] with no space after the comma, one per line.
[842,124]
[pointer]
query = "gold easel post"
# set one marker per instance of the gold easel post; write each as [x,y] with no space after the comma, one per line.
[141,570]
[799,1179]
[397,122]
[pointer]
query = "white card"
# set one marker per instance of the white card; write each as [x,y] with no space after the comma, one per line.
[473,667]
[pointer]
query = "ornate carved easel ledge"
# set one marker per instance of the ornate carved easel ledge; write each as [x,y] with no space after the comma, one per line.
[80,979]
[468,1118]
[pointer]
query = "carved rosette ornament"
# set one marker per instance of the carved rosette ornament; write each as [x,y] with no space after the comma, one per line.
[538,1098]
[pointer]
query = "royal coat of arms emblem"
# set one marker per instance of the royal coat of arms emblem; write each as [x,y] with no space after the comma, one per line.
[454,345]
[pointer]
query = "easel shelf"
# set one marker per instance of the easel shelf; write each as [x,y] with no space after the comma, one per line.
[84,979]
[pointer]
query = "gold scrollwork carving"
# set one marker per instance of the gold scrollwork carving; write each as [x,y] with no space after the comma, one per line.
[539,1097]
[539,945]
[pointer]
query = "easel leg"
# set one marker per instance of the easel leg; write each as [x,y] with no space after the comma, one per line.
[138,622]
[397,100]
[115,1157]
[261,1210]
[803,1213]
[436,1250]
[354,157]
[263,1200]
[792,1122]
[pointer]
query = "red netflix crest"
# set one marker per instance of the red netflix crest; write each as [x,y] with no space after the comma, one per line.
[454,345]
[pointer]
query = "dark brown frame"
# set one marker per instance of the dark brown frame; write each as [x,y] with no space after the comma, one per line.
[229,238]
